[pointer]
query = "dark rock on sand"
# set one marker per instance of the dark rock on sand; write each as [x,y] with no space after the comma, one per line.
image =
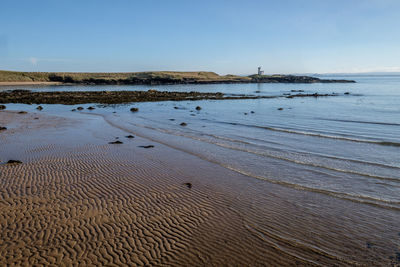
[22,112]
[280,108]
[130,136]
[252,112]
[300,91]
[183,124]
[172,119]
[39,108]
[2,107]
[347,93]
[134,109]
[116,142]
[90,108]
[149,146]
[79,108]
[189,185]
[73,109]
[198,108]
[3,128]
[12,161]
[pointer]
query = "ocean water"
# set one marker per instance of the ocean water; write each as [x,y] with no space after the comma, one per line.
[344,148]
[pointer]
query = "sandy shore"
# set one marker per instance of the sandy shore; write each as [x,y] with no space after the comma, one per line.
[76,199]
[81,200]
[29,83]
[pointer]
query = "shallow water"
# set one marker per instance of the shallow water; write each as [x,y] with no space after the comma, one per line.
[344,148]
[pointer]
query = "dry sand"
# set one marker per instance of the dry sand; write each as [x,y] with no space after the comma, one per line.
[77,200]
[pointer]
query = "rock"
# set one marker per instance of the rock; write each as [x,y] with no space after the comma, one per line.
[79,108]
[12,161]
[280,108]
[3,128]
[258,91]
[189,185]
[297,91]
[172,119]
[39,108]
[245,113]
[134,109]
[90,108]
[22,112]
[116,142]
[347,93]
[73,109]
[114,112]
[36,118]
[2,107]
[198,108]
[176,108]
[252,112]
[149,146]
[130,136]
[183,124]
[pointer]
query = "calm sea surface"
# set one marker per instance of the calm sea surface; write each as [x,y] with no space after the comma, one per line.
[344,148]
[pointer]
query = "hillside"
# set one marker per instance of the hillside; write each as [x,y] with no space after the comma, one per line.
[156,77]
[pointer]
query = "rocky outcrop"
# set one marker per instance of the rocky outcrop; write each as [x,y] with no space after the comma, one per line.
[293,79]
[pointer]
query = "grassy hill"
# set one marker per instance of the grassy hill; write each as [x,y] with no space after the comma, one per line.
[156,77]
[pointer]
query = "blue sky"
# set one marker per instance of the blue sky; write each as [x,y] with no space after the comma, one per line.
[285,36]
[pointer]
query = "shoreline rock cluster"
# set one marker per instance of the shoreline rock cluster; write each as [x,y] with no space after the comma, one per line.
[121,97]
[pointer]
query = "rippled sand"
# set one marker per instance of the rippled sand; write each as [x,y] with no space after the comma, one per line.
[77,200]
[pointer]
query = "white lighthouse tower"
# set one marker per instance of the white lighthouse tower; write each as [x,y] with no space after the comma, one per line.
[260,72]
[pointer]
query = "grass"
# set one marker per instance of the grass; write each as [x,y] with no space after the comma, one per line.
[128,77]
[152,77]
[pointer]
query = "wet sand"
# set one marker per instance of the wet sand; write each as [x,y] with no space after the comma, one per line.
[76,199]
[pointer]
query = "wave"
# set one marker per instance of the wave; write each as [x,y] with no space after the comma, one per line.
[382,203]
[363,122]
[265,154]
[336,137]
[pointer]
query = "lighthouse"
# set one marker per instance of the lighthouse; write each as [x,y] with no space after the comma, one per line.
[260,72]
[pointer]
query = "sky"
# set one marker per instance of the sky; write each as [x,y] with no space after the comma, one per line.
[227,37]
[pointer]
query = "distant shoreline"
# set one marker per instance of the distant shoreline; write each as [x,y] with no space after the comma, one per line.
[29,83]
[149,78]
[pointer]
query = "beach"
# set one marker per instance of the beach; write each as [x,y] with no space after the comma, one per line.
[88,202]
[231,183]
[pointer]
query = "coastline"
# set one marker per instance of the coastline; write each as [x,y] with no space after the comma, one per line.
[29,83]
[98,203]
[156,78]
[94,200]
[120,97]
